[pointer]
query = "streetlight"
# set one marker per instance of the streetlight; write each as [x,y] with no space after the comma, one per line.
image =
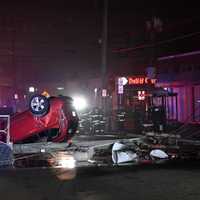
[31,89]
[104,51]
[95,96]
[79,103]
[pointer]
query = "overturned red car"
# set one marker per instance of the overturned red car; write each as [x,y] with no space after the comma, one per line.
[53,118]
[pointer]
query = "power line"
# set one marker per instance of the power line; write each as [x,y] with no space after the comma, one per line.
[156,44]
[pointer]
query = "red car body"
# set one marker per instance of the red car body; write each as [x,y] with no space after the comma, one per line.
[59,116]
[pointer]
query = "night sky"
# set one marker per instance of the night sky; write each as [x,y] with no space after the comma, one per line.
[55,40]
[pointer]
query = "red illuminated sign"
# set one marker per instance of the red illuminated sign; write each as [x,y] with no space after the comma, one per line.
[140,81]
[141,95]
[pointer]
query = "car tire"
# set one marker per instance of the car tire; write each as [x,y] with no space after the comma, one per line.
[39,105]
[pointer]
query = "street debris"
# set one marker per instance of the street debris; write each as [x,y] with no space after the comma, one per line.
[152,149]
[121,154]
[159,154]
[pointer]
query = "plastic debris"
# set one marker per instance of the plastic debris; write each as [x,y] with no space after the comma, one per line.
[157,153]
[121,154]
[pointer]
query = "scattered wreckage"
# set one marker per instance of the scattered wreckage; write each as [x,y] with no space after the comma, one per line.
[149,149]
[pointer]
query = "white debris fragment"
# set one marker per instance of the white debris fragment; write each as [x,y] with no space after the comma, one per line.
[42,150]
[157,153]
[121,154]
[118,146]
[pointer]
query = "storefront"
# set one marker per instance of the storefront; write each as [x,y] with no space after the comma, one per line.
[188,102]
[180,74]
[142,101]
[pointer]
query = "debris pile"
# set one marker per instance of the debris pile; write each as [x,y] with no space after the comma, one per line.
[152,148]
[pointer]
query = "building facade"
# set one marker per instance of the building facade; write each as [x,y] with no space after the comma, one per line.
[180,74]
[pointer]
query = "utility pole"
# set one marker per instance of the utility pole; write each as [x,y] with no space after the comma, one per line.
[104,50]
[153,27]
[14,64]
[13,35]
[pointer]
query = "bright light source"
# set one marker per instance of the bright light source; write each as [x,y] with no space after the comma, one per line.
[69,163]
[42,150]
[31,89]
[73,113]
[79,103]
[16,96]
[95,90]
[60,88]
[104,93]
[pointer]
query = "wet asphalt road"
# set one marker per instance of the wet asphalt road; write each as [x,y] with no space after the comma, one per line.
[150,182]
[180,181]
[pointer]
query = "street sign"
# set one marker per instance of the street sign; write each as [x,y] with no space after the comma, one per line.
[104,93]
[121,82]
[120,89]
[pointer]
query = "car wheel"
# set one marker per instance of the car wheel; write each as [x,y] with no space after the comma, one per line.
[39,105]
